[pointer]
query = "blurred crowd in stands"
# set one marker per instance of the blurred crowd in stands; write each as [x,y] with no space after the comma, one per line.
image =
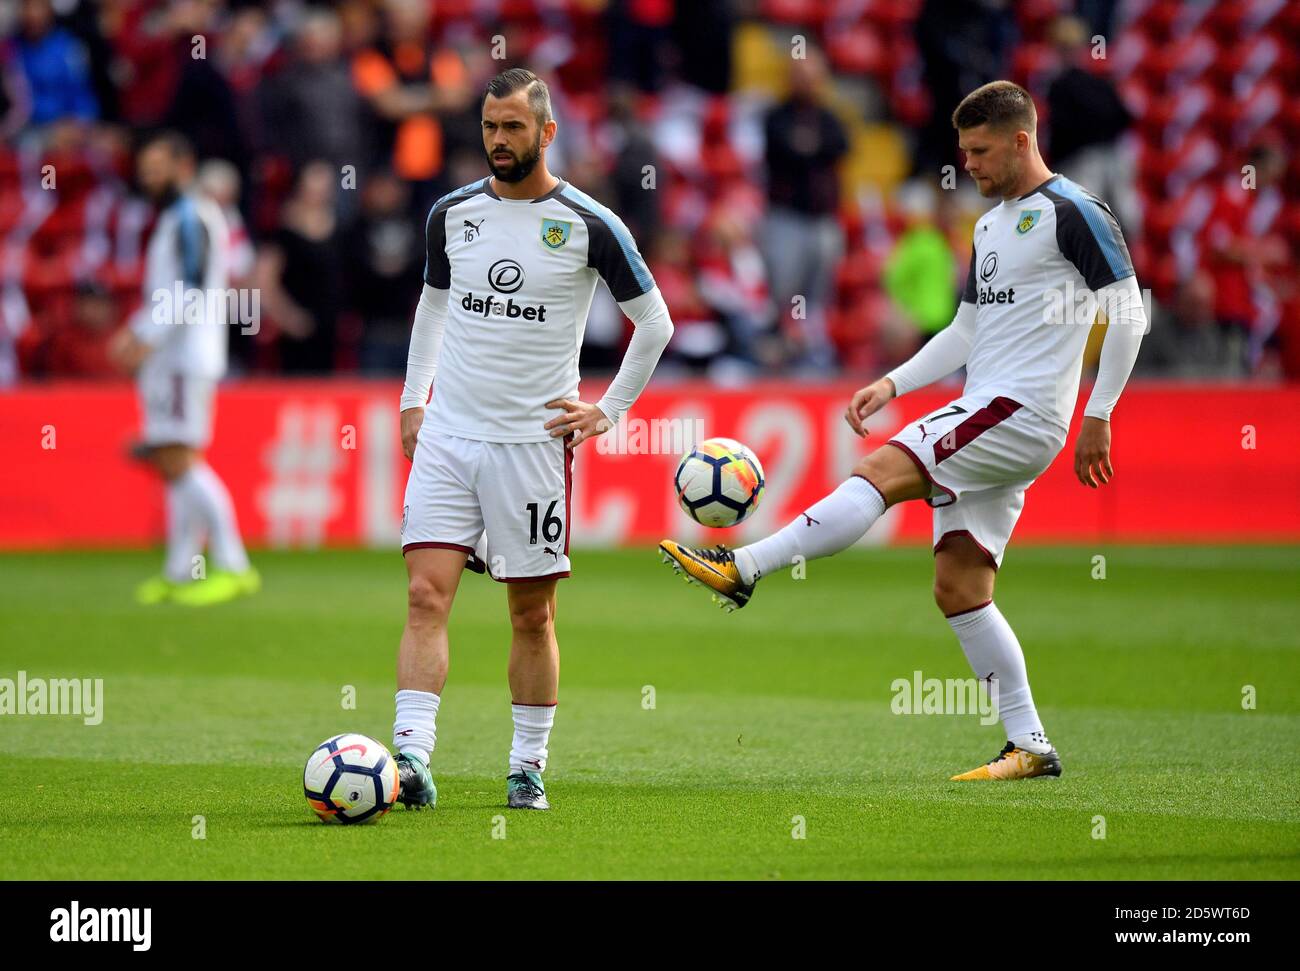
[788,167]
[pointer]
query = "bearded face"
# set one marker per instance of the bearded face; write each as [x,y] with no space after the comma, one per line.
[510,165]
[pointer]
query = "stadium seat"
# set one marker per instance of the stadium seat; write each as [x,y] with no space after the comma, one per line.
[12,206]
[519,11]
[453,13]
[1289,120]
[1247,117]
[854,323]
[858,49]
[1136,96]
[74,176]
[9,169]
[1159,20]
[894,18]
[719,160]
[1287,21]
[860,269]
[910,105]
[1032,65]
[1172,63]
[1164,276]
[44,277]
[1233,19]
[1128,55]
[1289,225]
[1245,64]
[794,12]
[1195,159]
[66,221]
[1035,16]
[1170,117]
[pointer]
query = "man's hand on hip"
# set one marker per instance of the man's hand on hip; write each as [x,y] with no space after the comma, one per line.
[581,419]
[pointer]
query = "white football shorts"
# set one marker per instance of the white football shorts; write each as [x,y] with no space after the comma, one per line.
[519,493]
[979,455]
[177,408]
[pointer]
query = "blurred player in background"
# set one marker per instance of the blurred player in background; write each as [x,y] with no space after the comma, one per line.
[177,350]
[1048,248]
[512,263]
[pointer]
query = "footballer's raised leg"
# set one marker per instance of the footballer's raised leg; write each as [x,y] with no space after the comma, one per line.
[534,687]
[879,480]
[433,575]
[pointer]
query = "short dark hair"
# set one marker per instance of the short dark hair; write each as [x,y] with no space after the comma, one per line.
[516,79]
[177,145]
[999,104]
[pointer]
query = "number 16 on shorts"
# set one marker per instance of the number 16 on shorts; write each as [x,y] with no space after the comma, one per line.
[552,525]
[548,539]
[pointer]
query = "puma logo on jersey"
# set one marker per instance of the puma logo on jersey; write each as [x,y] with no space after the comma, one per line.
[553,553]
[472,230]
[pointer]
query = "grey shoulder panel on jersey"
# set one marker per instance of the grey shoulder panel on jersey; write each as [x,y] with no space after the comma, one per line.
[191,242]
[437,270]
[611,250]
[1088,234]
[969,295]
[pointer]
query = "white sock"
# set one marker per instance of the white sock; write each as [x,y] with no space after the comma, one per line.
[184,530]
[413,728]
[532,732]
[1035,742]
[992,650]
[835,523]
[219,513]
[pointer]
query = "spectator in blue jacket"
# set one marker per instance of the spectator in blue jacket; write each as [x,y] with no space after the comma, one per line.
[54,66]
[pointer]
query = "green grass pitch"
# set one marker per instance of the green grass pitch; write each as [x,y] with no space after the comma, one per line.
[776,712]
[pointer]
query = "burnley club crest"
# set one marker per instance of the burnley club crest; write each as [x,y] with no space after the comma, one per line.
[555,233]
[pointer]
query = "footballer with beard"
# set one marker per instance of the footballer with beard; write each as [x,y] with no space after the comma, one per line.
[513,261]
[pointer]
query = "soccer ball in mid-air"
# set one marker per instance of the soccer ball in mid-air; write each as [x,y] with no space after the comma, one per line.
[350,779]
[719,482]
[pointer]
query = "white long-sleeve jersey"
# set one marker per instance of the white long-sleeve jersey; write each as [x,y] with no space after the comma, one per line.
[1041,265]
[508,284]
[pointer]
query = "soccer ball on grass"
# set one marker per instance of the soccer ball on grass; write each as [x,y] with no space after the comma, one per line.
[350,779]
